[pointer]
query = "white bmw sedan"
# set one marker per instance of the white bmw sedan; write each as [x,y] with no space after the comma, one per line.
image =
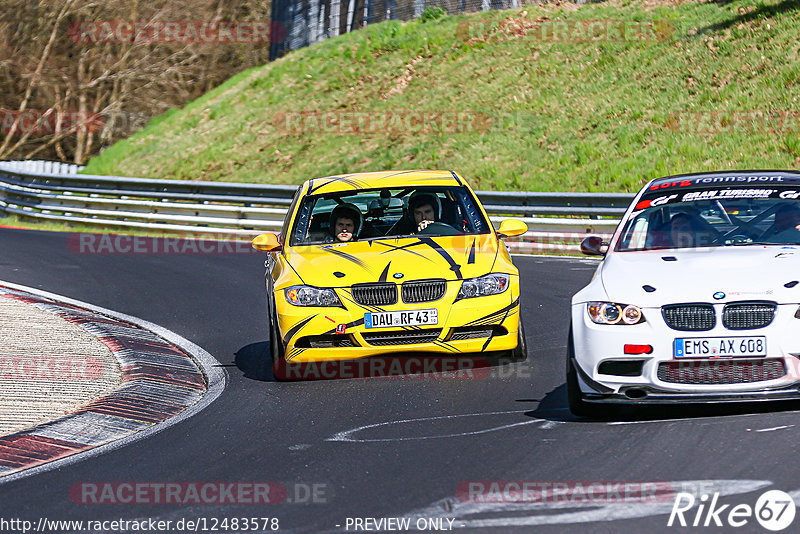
[697,298]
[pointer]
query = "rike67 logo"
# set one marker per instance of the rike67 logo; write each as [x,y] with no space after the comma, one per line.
[774,510]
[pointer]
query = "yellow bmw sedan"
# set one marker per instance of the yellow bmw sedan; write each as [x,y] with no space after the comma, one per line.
[373,264]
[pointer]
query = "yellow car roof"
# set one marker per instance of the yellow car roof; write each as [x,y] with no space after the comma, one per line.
[388,179]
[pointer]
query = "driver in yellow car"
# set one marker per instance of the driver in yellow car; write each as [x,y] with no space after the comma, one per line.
[425,209]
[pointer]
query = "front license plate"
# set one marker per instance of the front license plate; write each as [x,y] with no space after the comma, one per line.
[401,318]
[715,347]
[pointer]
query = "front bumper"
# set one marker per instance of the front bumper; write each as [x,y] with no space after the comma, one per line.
[597,345]
[496,315]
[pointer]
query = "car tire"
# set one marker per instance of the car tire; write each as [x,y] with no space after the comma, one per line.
[577,405]
[276,349]
[520,353]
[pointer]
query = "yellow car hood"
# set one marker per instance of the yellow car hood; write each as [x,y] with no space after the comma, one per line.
[344,264]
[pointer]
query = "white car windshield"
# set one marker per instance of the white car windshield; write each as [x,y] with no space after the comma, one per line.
[714,217]
[387,213]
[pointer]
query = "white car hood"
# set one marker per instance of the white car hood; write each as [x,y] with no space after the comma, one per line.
[753,272]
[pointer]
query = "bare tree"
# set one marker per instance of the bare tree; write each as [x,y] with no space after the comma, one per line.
[81,87]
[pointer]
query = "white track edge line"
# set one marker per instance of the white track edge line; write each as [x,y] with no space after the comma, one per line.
[215,373]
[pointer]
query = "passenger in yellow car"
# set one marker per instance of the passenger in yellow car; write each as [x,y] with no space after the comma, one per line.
[345,223]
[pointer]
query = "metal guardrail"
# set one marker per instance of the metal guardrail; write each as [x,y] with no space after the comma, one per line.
[52,191]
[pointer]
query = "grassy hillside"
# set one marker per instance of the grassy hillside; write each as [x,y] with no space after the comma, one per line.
[567,114]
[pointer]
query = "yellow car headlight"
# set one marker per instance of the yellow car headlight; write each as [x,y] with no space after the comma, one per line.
[491,284]
[312,296]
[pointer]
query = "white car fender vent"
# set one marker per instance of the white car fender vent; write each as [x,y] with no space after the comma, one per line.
[621,367]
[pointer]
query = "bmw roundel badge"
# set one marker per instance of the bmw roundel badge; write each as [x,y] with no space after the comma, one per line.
[719,295]
[397,275]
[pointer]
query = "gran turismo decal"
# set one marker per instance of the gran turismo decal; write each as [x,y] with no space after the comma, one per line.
[659,201]
[723,194]
[716,194]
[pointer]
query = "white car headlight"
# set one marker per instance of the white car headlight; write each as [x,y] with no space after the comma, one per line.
[312,296]
[614,313]
[491,284]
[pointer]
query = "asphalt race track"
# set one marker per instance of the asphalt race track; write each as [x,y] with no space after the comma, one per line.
[389,447]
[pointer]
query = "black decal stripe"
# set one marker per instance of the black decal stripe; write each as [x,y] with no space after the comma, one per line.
[296,273]
[385,273]
[397,174]
[367,307]
[292,354]
[456,268]
[445,345]
[495,314]
[491,332]
[348,257]
[455,176]
[346,179]
[496,253]
[471,258]
[404,249]
[293,330]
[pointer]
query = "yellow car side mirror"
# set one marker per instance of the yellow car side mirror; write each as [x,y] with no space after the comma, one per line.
[267,243]
[512,228]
